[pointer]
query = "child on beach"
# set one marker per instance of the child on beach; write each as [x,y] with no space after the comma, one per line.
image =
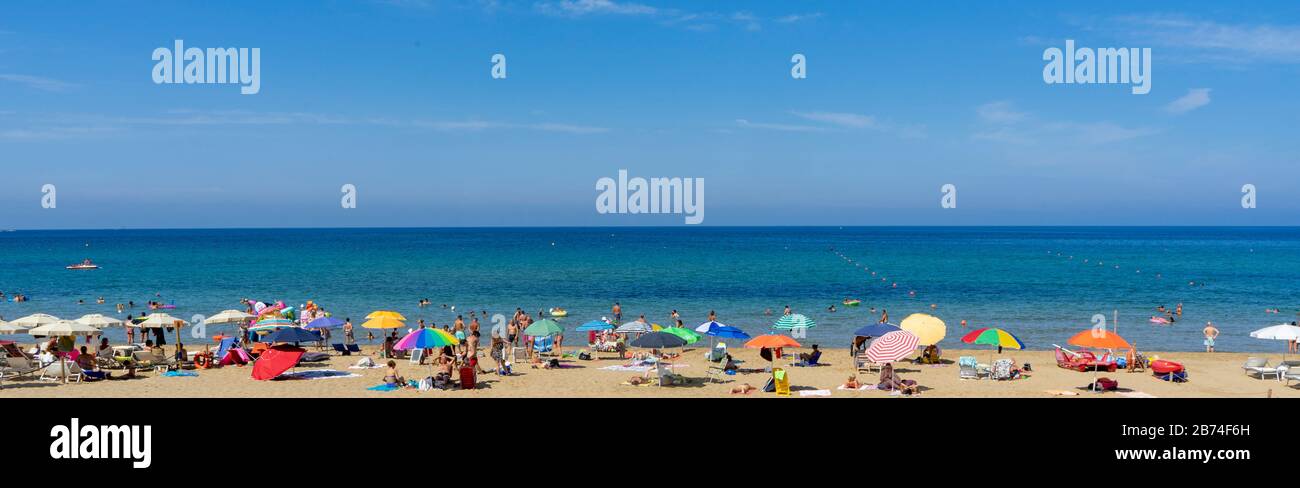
[392,378]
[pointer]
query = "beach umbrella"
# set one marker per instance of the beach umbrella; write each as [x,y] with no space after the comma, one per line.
[1100,339]
[658,340]
[8,328]
[875,330]
[426,338]
[35,320]
[993,336]
[707,326]
[687,335]
[63,328]
[1280,332]
[771,341]
[594,325]
[228,317]
[892,346]
[385,314]
[633,327]
[325,323]
[160,320]
[928,329]
[98,320]
[793,321]
[270,324]
[276,360]
[291,334]
[543,328]
[383,323]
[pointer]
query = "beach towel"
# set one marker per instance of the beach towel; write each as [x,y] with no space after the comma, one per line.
[860,388]
[814,393]
[174,374]
[1061,393]
[317,374]
[1135,394]
[624,368]
[384,387]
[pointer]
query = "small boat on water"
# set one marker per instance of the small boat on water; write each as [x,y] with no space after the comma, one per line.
[87,264]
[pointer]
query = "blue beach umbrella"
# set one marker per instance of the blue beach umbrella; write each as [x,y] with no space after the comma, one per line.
[291,334]
[594,325]
[875,330]
[325,323]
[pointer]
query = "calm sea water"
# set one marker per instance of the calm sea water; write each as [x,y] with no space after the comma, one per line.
[1006,277]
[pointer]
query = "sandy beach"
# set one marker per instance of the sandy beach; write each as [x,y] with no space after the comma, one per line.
[1211,375]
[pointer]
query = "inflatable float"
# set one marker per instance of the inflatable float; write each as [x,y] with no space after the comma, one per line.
[852,302]
[1159,320]
[1162,366]
[559,312]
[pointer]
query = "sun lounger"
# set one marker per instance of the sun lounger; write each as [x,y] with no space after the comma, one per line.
[343,351]
[59,369]
[20,366]
[150,360]
[812,360]
[1082,361]
[1259,368]
[968,368]
[1290,374]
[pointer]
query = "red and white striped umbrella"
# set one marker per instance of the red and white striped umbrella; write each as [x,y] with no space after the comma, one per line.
[892,346]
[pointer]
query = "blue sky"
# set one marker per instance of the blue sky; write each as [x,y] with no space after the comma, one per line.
[396,97]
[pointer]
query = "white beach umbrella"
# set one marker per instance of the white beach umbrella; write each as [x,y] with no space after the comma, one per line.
[159,320]
[7,328]
[63,328]
[228,317]
[98,320]
[35,320]
[1279,332]
[633,327]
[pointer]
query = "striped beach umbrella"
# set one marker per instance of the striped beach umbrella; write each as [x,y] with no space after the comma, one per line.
[426,338]
[270,324]
[385,314]
[993,336]
[793,321]
[633,327]
[594,325]
[892,346]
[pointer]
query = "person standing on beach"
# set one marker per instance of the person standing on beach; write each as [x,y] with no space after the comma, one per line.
[130,331]
[617,310]
[1211,332]
[347,331]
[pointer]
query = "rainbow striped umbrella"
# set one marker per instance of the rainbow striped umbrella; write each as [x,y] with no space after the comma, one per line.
[426,338]
[270,324]
[892,346]
[993,336]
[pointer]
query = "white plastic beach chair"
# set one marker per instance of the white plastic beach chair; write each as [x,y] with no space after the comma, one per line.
[58,370]
[1259,367]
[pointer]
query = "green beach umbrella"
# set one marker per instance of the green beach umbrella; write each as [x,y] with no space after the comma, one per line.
[544,327]
[687,335]
[793,321]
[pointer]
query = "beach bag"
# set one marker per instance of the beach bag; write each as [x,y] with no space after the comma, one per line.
[1175,377]
[584,356]
[770,386]
[366,363]
[1106,384]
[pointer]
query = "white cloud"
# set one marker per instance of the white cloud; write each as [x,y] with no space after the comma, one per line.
[1194,99]
[1205,40]
[780,127]
[37,82]
[1000,112]
[579,8]
[792,18]
[855,121]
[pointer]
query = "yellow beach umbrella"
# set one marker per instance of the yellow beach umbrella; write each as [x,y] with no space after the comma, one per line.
[385,314]
[383,322]
[928,328]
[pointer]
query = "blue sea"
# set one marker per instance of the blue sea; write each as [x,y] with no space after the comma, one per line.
[1032,281]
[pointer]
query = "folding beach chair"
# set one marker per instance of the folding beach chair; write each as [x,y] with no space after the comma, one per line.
[416,355]
[968,368]
[338,348]
[519,354]
[19,366]
[354,348]
[58,369]
[782,381]
[1001,369]
[862,363]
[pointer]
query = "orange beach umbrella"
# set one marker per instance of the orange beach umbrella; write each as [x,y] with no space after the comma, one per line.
[1100,339]
[771,341]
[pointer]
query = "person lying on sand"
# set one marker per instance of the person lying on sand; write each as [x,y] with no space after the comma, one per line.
[743,389]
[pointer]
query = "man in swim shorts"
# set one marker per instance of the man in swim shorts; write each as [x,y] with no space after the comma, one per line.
[1211,332]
